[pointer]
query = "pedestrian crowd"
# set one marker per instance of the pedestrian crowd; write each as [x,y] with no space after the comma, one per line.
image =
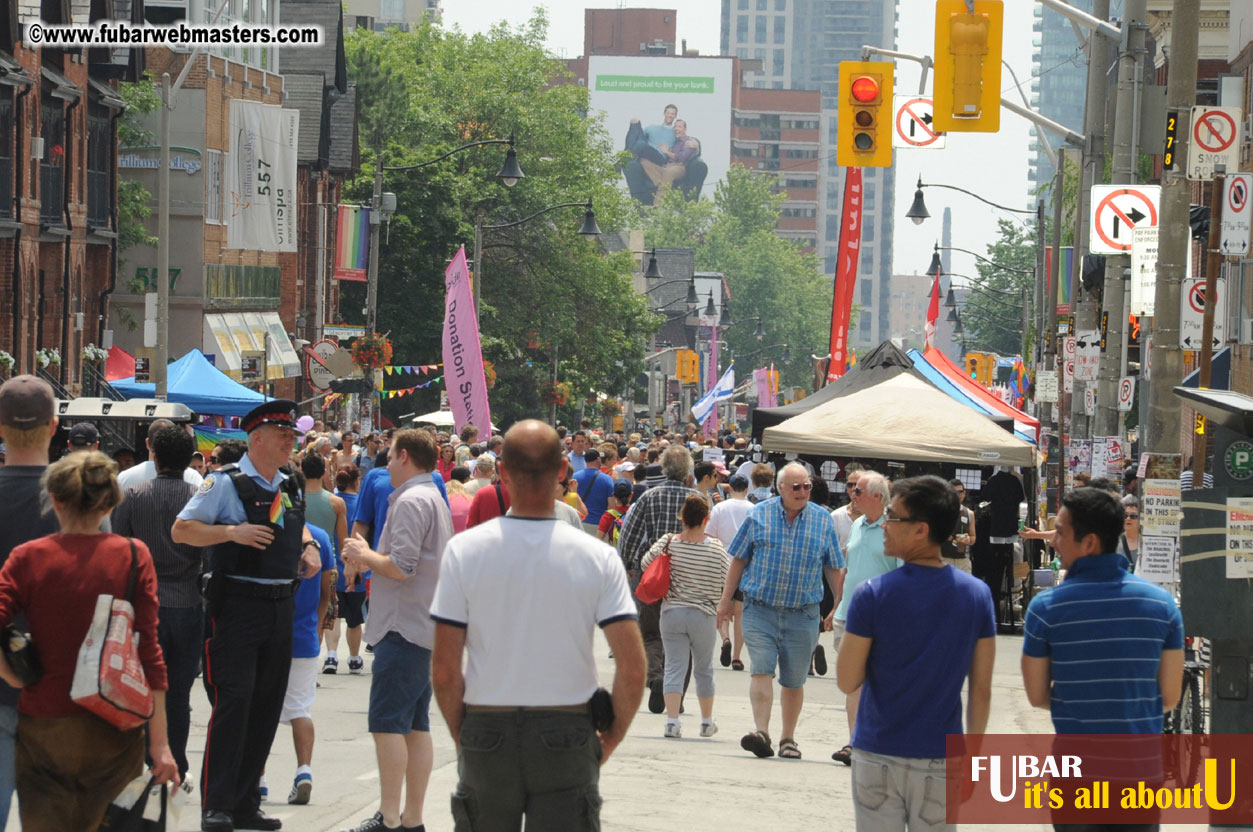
[450,558]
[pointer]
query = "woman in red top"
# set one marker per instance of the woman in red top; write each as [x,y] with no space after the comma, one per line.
[70,763]
[446,462]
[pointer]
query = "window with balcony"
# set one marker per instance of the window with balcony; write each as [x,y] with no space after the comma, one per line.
[99,168]
[6,154]
[52,166]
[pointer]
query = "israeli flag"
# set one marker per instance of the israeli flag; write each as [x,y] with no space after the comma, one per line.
[720,391]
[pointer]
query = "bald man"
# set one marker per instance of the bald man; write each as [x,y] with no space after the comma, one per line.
[506,586]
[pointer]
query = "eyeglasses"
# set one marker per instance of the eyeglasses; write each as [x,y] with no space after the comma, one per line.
[857,492]
[803,486]
[1133,517]
[888,517]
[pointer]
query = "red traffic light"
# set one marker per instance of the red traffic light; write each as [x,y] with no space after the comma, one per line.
[865,89]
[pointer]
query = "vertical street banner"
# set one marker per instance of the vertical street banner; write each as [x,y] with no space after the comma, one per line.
[463,353]
[710,424]
[845,272]
[352,243]
[1060,290]
[261,177]
[933,313]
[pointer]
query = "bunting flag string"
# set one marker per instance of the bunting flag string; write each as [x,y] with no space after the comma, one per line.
[415,369]
[391,394]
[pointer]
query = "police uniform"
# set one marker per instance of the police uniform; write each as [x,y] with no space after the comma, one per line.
[248,627]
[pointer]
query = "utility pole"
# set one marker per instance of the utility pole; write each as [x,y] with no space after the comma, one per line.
[376,222]
[1118,267]
[160,374]
[1165,358]
[1083,308]
[1213,262]
[1052,412]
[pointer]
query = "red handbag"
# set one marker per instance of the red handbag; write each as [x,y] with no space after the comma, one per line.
[655,583]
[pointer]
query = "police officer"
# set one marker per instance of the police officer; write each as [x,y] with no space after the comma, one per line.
[252,515]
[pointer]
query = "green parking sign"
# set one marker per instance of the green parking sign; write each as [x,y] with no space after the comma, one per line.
[1240,460]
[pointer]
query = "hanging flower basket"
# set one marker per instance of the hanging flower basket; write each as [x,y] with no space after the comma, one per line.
[6,363]
[372,352]
[557,393]
[48,357]
[611,407]
[489,372]
[95,355]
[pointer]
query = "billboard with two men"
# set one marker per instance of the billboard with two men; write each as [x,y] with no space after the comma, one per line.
[674,117]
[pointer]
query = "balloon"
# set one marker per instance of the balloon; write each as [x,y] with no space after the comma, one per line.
[304,423]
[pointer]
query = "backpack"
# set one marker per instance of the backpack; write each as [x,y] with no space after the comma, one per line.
[615,531]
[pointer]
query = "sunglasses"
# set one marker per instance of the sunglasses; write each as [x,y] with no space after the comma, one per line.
[1133,517]
[888,517]
[803,486]
[857,492]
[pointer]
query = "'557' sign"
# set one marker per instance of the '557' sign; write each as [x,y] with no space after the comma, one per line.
[261,177]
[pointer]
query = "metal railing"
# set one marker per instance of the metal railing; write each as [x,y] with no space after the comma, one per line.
[96,385]
[51,194]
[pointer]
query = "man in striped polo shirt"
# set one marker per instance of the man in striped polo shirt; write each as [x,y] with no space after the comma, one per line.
[1104,650]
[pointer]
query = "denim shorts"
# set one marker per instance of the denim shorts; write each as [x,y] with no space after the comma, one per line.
[780,636]
[400,687]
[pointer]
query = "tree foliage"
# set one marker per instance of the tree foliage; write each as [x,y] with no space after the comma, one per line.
[767,276]
[544,288]
[992,317]
[134,201]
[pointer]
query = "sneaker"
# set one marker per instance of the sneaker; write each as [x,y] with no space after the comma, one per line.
[265,792]
[301,788]
[369,648]
[355,663]
[708,729]
[673,731]
[373,824]
[330,666]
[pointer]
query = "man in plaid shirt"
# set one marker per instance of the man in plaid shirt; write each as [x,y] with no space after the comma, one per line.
[779,557]
[651,517]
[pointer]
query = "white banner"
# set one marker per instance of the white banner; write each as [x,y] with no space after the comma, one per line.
[261,177]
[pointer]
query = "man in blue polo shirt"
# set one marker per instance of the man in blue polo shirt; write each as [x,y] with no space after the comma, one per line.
[912,638]
[595,488]
[1104,650]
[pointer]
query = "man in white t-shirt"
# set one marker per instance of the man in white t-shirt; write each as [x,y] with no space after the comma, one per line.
[505,586]
[846,514]
[145,471]
[724,521]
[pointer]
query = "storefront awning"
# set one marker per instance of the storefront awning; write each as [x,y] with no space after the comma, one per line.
[228,334]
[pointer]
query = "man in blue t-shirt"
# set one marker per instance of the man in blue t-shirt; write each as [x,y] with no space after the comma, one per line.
[911,667]
[595,488]
[309,605]
[1064,667]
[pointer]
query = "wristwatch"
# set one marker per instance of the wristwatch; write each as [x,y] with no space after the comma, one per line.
[311,542]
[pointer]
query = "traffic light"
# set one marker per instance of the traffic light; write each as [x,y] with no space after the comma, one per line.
[687,367]
[968,66]
[865,115]
[973,365]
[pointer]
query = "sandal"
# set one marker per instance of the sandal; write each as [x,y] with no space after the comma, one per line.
[788,749]
[757,742]
[725,657]
[736,664]
[844,755]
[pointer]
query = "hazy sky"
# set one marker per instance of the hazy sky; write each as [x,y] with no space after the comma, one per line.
[993,165]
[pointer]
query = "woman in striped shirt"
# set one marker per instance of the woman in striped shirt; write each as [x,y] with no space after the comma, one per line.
[698,570]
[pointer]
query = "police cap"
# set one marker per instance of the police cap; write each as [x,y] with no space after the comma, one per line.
[280,412]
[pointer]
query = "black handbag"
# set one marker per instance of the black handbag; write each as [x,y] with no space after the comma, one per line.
[19,652]
[131,819]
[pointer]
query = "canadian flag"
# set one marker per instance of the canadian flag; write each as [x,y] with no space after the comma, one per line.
[933,312]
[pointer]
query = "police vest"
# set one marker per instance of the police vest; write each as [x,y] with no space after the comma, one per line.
[281,559]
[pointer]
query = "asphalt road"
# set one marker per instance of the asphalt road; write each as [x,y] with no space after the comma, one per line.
[651,784]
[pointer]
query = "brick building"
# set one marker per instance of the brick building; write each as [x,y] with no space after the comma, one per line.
[58,185]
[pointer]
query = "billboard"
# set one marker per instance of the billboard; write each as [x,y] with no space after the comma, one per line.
[672,114]
[262,177]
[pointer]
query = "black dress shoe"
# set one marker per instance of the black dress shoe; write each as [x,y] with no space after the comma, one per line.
[215,821]
[258,820]
[656,699]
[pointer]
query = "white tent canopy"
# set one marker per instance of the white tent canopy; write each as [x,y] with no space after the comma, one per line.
[438,418]
[901,418]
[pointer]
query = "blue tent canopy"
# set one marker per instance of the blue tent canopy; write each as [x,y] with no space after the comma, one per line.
[941,381]
[194,381]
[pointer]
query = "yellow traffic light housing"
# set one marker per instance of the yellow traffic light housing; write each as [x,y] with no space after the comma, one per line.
[972,365]
[865,115]
[968,66]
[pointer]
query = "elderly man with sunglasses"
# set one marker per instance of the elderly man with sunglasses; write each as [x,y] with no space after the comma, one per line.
[779,557]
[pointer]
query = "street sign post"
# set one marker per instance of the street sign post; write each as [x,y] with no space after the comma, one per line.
[913,125]
[1126,393]
[1193,311]
[1215,140]
[1116,211]
[320,377]
[1238,188]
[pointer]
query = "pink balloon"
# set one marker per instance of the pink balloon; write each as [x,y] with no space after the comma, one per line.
[304,423]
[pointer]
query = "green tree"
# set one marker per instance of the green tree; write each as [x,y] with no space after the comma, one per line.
[767,276]
[992,317]
[544,288]
[134,200]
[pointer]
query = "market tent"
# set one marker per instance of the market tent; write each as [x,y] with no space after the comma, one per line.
[120,364]
[194,381]
[901,418]
[438,418]
[934,375]
[883,362]
[955,374]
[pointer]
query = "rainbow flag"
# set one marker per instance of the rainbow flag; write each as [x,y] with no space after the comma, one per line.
[352,243]
[207,437]
[276,510]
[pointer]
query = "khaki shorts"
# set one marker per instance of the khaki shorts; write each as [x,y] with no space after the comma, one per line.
[959,563]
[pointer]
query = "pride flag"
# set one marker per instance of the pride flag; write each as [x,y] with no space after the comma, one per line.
[276,510]
[207,437]
[352,243]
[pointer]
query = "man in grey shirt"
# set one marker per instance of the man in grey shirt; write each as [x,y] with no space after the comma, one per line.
[406,569]
[148,512]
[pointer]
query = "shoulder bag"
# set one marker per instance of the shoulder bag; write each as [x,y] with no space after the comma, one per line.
[656,581]
[109,678]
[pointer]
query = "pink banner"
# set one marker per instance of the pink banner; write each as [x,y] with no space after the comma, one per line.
[463,354]
[711,424]
[761,378]
[845,273]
